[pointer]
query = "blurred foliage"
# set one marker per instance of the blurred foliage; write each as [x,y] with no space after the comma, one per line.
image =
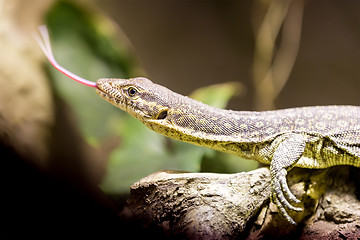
[91,46]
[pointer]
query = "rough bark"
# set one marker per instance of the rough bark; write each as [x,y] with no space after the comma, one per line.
[232,206]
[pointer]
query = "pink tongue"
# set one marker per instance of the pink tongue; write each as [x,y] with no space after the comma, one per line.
[44,42]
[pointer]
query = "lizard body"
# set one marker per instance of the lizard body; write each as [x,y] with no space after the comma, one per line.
[306,137]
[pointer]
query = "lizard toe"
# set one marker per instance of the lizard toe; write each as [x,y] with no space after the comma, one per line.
[285,203]
[285,188]
[282,211]
[278,192]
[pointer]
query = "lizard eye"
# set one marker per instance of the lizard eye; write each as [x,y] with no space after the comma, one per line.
[132,91]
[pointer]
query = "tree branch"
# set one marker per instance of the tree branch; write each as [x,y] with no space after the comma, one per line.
[229,206]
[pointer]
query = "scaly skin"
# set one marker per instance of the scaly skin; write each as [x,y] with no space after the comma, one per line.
[307,137]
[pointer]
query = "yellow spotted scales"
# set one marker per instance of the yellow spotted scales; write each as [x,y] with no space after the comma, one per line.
[307,137]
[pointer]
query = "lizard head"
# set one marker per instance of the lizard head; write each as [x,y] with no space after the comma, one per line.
[139,97]
[159,108]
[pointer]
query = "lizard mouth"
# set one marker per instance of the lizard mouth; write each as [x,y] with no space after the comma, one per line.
[104,94]
[101,92]
[108,91]
[114,99]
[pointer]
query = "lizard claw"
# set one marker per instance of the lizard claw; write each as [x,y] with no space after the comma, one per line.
[281,195]
[286,153]
[282,210]
[286,191]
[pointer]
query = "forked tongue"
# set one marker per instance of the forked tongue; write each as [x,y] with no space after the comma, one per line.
[44,42]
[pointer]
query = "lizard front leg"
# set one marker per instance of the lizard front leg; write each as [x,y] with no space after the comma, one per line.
[286,154]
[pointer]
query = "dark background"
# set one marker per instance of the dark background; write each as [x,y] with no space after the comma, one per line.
[188,44]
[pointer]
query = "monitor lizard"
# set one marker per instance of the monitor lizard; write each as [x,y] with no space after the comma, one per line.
[307,137]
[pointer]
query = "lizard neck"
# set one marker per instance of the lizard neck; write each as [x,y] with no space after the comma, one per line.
[192,121]
[235,132]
